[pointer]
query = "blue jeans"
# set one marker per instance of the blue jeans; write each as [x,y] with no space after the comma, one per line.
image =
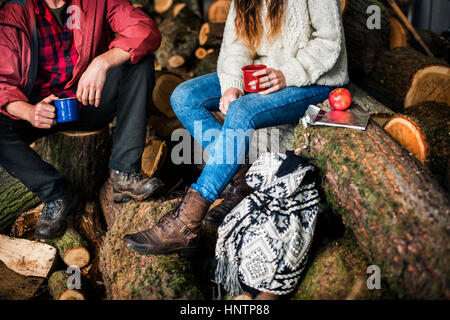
[193,102]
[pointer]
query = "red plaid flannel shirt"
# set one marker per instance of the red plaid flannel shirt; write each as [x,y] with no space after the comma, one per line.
[57,54]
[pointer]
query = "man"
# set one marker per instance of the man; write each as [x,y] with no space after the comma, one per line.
[52,49]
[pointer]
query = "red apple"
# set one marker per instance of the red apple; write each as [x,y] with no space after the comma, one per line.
[340,99]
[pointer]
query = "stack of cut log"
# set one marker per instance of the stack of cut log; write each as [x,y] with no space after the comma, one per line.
[190,47]
[411,82]
[387,199]
[30,262]
[397,211]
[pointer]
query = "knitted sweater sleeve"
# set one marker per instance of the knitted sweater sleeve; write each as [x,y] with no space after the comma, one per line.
[233,56]
[323,50]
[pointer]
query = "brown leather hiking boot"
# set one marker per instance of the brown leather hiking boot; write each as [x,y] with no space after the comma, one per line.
[238,191]
[176,232]
[128,186]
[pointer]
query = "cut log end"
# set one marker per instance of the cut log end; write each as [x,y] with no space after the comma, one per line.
[176,61]
[399,34]
[78,256]
[429,84]
[201,53]
[218,11]
[72,248]
[409,135]
[162,6]
[177,8]
[70,294]
[204,34]
[164,86]
[343,6]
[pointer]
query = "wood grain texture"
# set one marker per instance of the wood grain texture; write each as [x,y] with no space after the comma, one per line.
[26,257]
[404,77]
[81,157]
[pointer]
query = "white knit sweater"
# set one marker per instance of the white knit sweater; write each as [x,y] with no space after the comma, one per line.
[309,50]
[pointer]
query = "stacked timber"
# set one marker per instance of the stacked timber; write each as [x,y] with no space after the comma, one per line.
[364,44]
[403,77]
[24,267]
[397,211]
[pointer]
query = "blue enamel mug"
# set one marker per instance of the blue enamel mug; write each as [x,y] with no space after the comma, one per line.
[67,110]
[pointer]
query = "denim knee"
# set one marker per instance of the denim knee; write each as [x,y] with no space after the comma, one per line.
[179,98]
[238,116]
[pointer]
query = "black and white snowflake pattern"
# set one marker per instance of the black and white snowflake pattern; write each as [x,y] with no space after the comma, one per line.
[268,235]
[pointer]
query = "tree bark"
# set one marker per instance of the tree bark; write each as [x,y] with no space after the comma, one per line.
[397,211]
[437,44]
[211,35]
[82,157]
[337,271]
[72,248]
[88,223]
[15,198]
[164,126]
[57,285]
[364,45]
[180,36]
[423,131]
[25,224]
[404,77]
[128,275]
[14,286]
[206,65]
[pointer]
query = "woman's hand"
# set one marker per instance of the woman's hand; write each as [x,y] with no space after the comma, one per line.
[91,83]
[271,79]
[229,96]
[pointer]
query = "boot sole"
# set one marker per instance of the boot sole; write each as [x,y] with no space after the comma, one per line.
[126,196]
[183,252]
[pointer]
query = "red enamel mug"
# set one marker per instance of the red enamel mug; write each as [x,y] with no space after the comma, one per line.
[248,77]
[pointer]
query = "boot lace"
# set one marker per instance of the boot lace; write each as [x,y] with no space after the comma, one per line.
[50,208]
[164,222]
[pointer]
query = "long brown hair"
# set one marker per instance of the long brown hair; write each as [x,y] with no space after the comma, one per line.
[249,27]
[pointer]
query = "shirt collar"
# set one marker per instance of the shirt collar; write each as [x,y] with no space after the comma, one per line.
[39,7]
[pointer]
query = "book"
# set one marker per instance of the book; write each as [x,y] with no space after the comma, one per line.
[345,119]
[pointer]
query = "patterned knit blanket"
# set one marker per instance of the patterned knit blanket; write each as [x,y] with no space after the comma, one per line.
[265,240]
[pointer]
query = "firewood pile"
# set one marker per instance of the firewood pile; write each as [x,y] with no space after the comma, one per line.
[385,190]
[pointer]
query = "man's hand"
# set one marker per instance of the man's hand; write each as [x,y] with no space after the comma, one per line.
[90,86]
[271,79]
[43,114]
[91,83]
[229,96]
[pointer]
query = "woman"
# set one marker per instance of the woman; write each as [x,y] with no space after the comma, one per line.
[302,43]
